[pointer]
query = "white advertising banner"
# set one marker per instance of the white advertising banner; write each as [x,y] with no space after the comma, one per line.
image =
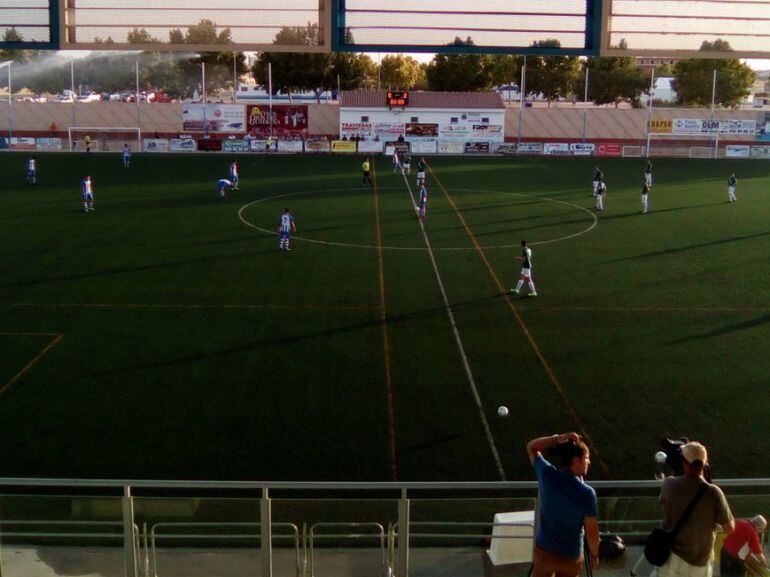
[582,148]
[317,146]
[760,152]
[701,126]
[48,144]
[388,130]
[737,151]
[213,117]
[422,147]
[451,147]
[370,146]
[530,148]
[488,131]
[556,148]
[22,143]
[449,131]
[352,129]
[182,145]
[155,145]
[290,146]
[258,145]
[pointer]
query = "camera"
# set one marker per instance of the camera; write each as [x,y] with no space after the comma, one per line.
[672,448]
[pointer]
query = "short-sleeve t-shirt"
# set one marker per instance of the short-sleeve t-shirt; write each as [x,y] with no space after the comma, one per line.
[744,534]
[565,502]
[695,541]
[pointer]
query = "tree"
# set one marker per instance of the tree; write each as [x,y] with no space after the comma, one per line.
[613,80]
[693,78]
[18,56]
[296,71]
[352,70]
[505,69]
[401,72]
[462,72]
[551,76]
[141,36]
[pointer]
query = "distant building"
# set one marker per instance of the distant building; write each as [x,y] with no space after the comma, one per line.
[650,63]
[662,91]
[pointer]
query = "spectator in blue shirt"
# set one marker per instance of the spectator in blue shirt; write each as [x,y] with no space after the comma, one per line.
[567,506]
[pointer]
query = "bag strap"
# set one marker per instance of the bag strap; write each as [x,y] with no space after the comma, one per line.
[687,512]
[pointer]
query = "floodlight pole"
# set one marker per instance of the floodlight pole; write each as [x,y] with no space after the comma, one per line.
[270,96]
[72,92]
[10,99]
[649,112]
[522,90]
[713,100]
[235,75]
[585,105]
[138,109]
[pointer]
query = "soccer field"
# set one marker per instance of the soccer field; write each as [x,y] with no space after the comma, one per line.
[165,335]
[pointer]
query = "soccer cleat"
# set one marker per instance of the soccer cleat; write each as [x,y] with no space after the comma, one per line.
[532,294]
[514,291]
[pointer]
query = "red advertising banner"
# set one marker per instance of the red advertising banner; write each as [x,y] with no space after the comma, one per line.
[286,120]
[609,149]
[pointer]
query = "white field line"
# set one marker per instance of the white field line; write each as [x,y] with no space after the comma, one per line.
[460,346]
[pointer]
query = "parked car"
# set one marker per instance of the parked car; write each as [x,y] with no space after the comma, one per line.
[65,96]
[116,97]
[89,97]
[128,97]
[155,96]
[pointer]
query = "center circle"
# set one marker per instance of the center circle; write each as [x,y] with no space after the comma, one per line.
[593,221]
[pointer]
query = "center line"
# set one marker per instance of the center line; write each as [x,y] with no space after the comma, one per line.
[460,346]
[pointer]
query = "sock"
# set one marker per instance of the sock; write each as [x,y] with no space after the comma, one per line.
[531,286]
[519,285]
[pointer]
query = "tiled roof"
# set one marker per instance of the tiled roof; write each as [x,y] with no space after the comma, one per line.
[423,99]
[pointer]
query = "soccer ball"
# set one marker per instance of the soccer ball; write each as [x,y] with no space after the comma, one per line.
[502,410]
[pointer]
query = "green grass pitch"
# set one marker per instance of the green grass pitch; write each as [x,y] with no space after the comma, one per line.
[165,335]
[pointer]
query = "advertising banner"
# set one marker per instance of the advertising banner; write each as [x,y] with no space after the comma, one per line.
[285,119]
[3,142]
[737,151]
[418,129]
[582,148]
[660,126]
[506,148]
[529,148]
[455,131]
[399,145]
[209,144]
[487,130]
[235,145]
[370,146]
[155,145]
[213,118]
[343,146]
[318,145]
[476,148]
[609,150]
[424,147]
[450,147]
[760,152]
[556,148]
[49,144]
[22,143]
[257,145]
[389,130]
[182,145]
[701,126]
[290,146]
[357,129]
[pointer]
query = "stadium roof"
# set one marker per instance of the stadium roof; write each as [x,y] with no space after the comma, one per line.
[424,99]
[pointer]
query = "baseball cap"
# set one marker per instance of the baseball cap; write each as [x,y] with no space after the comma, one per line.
[759,522]
[694,451]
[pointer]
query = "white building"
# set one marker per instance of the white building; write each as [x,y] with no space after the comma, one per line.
[430,121]
[662,91]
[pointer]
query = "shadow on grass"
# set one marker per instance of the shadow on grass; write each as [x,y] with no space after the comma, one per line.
[686,248]
[723,330]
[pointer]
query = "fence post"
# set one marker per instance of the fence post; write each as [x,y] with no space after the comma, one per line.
[129,544]
[402,566]
[265,532]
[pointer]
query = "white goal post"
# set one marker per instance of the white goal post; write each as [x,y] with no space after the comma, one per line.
[634,151]
[105,138]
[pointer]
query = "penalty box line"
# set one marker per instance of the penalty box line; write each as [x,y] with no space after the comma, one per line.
[550,373]
[56,337]
[459,342]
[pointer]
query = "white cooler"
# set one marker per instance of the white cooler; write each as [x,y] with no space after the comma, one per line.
[512,538]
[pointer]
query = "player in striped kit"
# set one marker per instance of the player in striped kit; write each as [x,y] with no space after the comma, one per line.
[234,174]
[421,172]
[88,194]
[223,185]
[526,270]
[126,155]
[422,203]
[286,226]
[31,171]
[732,182]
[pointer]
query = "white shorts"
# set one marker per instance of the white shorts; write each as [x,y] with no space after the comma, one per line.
[526,273]
[421,175]
[730,190]
[406,165]
[677,567]
[596,186]
[648,178]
